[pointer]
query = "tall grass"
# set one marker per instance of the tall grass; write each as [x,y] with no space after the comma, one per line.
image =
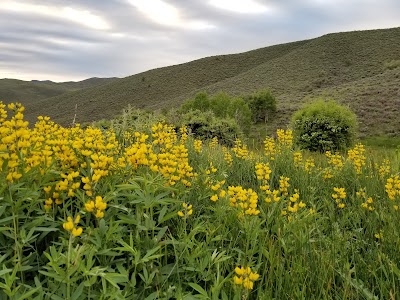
[173,220]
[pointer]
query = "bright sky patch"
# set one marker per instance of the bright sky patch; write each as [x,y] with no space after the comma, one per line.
[83,17]
[158,11]
[240,6]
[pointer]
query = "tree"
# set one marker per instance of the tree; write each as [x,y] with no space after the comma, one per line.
[200,102]
[240,112]
[262,105]
[324,125]
[222,106]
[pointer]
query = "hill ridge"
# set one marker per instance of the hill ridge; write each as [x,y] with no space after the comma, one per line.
[295,72]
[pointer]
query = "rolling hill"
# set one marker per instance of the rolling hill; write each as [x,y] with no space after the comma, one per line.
[12,90]
[355,68]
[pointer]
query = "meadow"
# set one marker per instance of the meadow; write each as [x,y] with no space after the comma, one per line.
[87,213]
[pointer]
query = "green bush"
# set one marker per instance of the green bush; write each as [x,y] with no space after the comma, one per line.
[262,105]
[322,126]
[223,107]
[204,125]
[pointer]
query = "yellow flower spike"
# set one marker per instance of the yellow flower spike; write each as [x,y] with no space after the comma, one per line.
[245,277]
[240,271]
[248,284]
[181,214]
[89,206]
[77,219]
[100,204]
[238,280]
[99,214]
[77,231]
[254,276]
[68,225]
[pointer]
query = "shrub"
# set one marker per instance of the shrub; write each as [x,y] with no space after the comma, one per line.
[222,106]
[262,105]
[322,126]
[205,125]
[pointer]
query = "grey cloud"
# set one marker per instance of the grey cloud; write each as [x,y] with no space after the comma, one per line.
[35,43]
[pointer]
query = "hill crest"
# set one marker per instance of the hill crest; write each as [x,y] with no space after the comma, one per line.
[342,66]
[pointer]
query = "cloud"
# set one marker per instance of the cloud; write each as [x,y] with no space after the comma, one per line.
[75,15]
[164,13]
[66,40]
[240,6]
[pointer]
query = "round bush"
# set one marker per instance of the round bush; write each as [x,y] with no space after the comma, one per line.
[324,125]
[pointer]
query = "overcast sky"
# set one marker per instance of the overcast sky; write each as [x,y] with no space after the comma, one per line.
[73,40]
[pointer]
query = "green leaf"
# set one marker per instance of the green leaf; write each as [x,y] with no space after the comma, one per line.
[161,233]
[167,217]
[199,289]
[149,255]
[28,294]
[5,271]
[78,292]
[152,296]
[115,278]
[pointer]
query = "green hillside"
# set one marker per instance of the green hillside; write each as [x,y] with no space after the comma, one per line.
[28,92]
[351,67]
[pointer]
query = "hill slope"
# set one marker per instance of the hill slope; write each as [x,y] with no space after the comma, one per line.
[349,67]
[156,88]
[27,92]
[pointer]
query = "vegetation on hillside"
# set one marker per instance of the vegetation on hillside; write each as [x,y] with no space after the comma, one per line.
[125,214]
[27,92]
[357,69]
[324,126]
[262,105]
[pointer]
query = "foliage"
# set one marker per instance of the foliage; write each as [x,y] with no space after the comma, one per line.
[218,116]
[324,125]
[88,214]
[200,102]
[205,125]
[262,105]
[222,106]
[290,70]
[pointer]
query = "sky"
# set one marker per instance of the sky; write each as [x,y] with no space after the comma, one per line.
[63,40]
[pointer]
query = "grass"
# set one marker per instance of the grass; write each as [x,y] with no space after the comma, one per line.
[381,142]
[354,68]
[12,90]
[146,213]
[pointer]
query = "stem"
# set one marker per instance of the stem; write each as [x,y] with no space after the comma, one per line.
[17,250]
[68,266]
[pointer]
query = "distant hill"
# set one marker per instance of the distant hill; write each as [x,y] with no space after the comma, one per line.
[26,92]
[355,68]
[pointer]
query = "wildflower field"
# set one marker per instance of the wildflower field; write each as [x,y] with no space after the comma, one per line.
[94,214]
